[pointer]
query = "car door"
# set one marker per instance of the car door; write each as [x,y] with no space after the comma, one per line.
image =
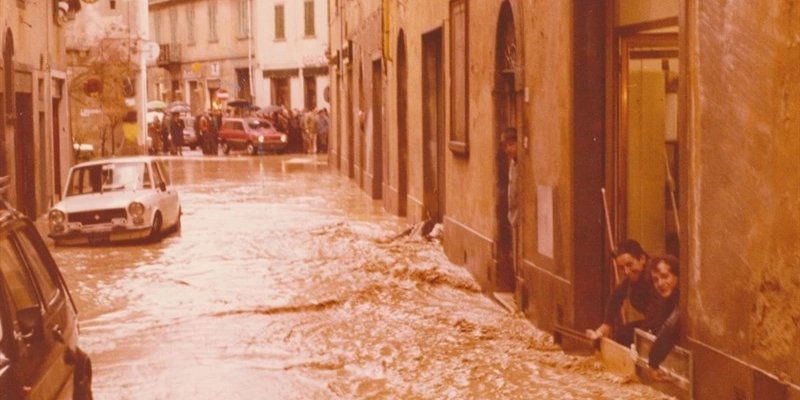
[239,134]
[33,293]
[168,201]
[8,381]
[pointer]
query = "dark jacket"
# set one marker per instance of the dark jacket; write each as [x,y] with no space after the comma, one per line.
[663,321]
[640,294]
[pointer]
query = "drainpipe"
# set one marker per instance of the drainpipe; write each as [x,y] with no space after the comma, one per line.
[144,35]
[250,49]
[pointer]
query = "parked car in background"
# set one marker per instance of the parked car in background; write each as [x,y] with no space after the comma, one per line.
[39,353]
[115,199]
[190,137]
[253,135]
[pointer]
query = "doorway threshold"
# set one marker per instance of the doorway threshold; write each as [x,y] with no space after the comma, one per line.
[506,300]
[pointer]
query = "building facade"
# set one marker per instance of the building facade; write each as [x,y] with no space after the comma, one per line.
[290,52]
[35,146]
[206,52]
[670,122]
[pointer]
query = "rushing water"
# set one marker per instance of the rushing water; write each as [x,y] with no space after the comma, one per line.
[287,282]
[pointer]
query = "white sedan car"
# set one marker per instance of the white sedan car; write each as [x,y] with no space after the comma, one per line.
[115,199]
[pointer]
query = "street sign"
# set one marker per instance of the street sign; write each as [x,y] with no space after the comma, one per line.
[151,51]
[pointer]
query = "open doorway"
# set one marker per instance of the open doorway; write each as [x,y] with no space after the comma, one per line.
[646,162]
[505,116]
[402,127]
[433,124]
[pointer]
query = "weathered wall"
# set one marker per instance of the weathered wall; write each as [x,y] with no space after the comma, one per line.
[414,18]
[39,64]
[547,154]
[744,290]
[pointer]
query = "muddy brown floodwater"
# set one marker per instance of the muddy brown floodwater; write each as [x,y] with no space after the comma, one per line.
[287,282]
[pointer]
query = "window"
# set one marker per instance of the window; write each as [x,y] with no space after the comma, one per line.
[244,24]
[459,69]
[309,18]
[157,27]
[159,179]
[173,26]
[212,21]
[162,171]
[280,29]
[20,287]
[41,266]
[190,24]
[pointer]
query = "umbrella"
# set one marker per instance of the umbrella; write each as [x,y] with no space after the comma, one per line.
[152,114]
[239,103]
[156,105]
[270,109]
[178,107]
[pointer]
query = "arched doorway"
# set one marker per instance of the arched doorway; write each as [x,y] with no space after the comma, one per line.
[402,126]
[506,115]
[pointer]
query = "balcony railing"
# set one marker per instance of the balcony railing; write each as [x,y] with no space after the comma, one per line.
[169,54]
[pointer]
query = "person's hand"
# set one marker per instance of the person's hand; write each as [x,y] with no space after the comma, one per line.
[657,374]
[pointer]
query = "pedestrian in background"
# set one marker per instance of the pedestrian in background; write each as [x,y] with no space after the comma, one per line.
[166,142]
[323,126]
[296,144]
[508,139]
[310,136]
[176,132]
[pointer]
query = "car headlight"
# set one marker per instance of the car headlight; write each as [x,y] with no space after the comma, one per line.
[284,139]
[260,139]
[136,209]
[56,217]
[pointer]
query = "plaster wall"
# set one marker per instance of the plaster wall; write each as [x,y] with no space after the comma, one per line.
[39,61]
[414,18]
[744,238]
[546,146]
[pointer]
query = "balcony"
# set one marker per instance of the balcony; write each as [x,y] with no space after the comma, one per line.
[169,54]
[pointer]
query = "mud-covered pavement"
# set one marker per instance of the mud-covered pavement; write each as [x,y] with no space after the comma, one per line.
[287,282]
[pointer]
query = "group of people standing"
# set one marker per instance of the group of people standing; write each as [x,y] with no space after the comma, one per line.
[166,135]
[308,130]
[206,127]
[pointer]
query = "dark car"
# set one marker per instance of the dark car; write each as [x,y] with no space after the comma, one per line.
[254,135]
[39,353]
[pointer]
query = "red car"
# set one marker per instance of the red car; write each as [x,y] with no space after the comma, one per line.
[253,135]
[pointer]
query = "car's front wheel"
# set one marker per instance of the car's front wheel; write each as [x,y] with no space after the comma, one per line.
[155,230]
[225,148]
[83,377]
[251,148]
[178,222]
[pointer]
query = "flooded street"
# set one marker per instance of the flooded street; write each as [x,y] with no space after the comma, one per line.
[287,282]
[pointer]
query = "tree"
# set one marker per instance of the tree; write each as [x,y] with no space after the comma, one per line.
[100,88]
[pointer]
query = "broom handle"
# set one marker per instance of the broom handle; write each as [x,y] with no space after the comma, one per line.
[610,235]
[623,317]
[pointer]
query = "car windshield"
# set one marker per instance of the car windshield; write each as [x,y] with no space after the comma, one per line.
[254,123]
[100,178]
